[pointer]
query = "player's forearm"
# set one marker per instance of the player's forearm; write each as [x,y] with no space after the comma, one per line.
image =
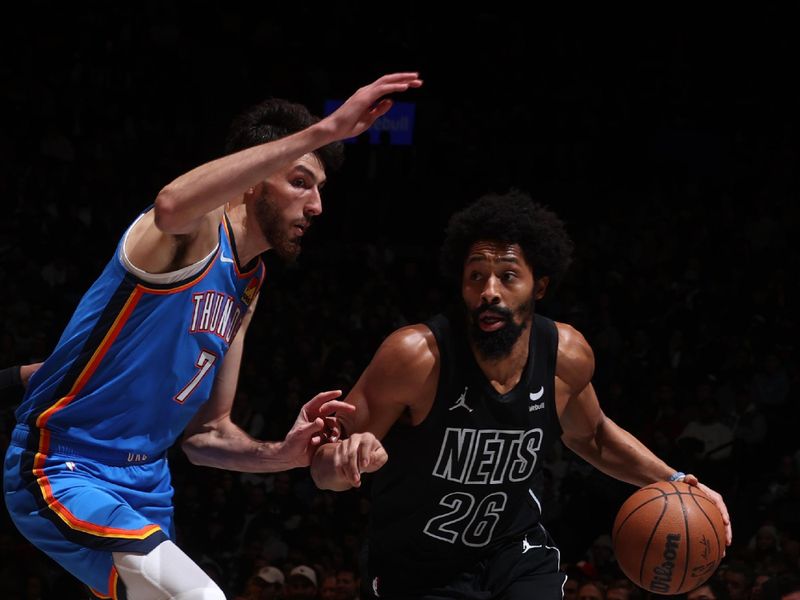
[619,454]
[232,449]
[186,199]
[325,473]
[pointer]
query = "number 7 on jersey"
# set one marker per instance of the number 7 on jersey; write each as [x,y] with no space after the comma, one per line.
[204,362]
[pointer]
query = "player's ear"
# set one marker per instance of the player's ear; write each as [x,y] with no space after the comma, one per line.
[253,192]
[540,287]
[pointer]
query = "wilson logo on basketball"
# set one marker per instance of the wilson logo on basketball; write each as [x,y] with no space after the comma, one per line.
[662,574]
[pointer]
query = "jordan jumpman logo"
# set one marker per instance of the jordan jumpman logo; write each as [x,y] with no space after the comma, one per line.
[462,401]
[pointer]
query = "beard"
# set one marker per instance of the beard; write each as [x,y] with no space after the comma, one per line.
[493,345]
[276,230]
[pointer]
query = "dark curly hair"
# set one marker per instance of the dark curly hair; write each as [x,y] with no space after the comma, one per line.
[515,219]
[273,119]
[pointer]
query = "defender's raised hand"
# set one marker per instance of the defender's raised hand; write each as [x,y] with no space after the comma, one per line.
[364,107]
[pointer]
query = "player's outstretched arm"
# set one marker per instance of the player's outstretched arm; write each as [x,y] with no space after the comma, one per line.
[187,211]
[182,204]
[212,439]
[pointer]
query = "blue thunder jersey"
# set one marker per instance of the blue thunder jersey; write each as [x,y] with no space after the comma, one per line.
[462,484]
[137,360]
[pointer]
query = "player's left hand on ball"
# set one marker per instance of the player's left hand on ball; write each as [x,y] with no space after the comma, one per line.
[718,501]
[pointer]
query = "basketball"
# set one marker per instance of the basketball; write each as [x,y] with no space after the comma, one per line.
[668,537]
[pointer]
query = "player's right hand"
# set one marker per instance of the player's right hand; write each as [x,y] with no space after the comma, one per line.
[359,453]
[367,104]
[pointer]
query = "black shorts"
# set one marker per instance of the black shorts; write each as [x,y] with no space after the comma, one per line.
[518,570]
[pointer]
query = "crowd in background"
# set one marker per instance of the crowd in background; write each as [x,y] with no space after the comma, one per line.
[682,281]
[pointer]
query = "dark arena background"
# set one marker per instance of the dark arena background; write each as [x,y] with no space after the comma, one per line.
[668,144]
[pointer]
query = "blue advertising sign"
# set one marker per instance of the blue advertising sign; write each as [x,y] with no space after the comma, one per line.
[396,127]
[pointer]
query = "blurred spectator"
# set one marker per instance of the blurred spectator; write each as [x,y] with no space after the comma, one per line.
[301,584]
[592,590]
[712,589]
[266,584]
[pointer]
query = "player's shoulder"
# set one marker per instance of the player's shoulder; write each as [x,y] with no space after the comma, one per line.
[156,248]
[575,359]
[410,346]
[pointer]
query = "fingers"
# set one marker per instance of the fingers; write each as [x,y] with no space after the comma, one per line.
[377,459]
[323,397]
[349,461]
[309,429]
[406,80]
[392,84]
[332,431]
[719,503]
[313,407]
[395,77]
[361,453]
[381,108]
[333,406]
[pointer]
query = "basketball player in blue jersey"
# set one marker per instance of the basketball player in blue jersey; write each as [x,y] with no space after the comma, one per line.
[153,350]
[454,415]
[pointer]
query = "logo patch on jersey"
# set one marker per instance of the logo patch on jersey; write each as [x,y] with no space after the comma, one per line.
[250,291]
[534,396]
[461,402]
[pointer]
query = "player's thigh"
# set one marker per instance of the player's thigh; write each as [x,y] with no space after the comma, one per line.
[542,587]
[63,509]
[528,569]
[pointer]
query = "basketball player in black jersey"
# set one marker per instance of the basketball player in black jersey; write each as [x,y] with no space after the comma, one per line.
[463,407]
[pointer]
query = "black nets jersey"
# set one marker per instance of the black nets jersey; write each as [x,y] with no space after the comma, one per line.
[463,482]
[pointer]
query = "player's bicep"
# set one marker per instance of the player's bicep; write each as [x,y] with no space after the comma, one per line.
[378,405]
[398,376]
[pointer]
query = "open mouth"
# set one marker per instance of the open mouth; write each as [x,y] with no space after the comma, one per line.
[491,321]
[300,228]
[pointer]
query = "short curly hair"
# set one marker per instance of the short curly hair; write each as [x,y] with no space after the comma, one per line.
[275,118]
[512,218]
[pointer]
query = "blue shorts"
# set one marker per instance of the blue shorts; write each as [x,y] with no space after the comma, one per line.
[78,504]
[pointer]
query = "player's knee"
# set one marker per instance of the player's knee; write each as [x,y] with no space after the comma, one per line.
[165,572]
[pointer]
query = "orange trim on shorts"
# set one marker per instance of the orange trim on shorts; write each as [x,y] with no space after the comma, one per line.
[44,437]
[113,582]
[101,595]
